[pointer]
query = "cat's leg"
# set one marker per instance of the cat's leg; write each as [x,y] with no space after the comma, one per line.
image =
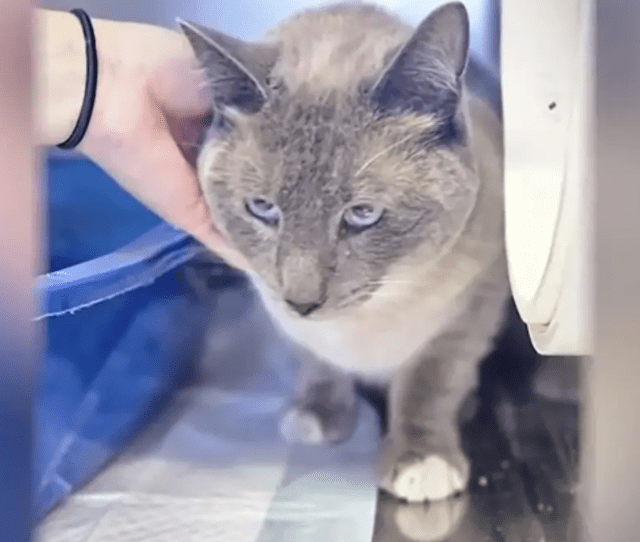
[324,409]
[422,457]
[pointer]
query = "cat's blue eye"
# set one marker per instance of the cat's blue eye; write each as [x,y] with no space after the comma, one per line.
[264,210]
[363,216]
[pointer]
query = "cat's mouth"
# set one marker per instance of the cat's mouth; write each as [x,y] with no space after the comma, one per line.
[324,308]
[304,309]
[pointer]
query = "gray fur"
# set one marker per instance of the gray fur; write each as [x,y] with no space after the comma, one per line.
[356,108]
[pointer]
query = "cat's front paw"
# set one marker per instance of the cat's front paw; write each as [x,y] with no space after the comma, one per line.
[426,475]
[309,426]
[302,426]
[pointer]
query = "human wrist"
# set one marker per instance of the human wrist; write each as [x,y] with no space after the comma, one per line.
[61,71]
[61,65]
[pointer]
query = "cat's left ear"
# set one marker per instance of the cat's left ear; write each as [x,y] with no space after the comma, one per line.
[236,70]
[425,74]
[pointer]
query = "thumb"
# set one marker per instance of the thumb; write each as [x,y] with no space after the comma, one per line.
[176,196]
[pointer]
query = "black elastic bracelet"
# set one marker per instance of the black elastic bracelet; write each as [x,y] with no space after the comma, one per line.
[91,83]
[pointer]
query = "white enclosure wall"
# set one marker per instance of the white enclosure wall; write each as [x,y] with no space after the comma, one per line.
[547,62]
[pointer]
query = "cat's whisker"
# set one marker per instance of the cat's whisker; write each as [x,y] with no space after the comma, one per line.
[384,151]
[201,75]
[189,144]
[391,282]
[251,163]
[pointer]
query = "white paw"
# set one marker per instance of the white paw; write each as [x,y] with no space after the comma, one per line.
[429,479]
[302,426]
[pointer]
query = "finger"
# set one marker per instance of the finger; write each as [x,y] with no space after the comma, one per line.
[171,186]
[180,89]
[189,134]
[166,183]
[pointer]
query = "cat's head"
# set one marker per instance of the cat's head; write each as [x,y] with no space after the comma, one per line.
[324,192]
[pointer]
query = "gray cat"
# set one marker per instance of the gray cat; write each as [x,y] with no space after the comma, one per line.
[356,166]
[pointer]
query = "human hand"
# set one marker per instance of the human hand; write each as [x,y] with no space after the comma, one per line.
[149,102]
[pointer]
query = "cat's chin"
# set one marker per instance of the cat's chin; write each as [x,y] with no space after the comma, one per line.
[325,312]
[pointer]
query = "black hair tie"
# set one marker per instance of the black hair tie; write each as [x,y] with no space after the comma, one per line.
[91,82]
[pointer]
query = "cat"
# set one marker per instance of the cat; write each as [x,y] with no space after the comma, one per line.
[356,165]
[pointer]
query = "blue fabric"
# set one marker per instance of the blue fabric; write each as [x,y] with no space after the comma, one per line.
[122,325]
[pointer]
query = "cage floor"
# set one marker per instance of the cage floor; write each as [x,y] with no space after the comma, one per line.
[213,467]
[523,445]
[522,488]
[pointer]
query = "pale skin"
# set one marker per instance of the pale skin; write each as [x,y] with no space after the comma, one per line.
[149,95]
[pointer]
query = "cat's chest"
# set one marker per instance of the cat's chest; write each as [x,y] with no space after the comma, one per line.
[396,325]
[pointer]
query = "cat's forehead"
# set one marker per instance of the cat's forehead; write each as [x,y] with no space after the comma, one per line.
[310,143]
[334,127]
[289,119]
[319,151]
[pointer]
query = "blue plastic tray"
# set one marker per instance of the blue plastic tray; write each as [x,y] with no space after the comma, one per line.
[121,325]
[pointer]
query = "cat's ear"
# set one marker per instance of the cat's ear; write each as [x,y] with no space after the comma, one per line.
[424,76]
[236,70]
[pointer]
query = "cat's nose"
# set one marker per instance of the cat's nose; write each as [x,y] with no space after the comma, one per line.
[303,309]
[303,284]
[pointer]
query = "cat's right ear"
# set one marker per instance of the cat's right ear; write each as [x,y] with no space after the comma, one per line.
[236,70]
[424,76]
